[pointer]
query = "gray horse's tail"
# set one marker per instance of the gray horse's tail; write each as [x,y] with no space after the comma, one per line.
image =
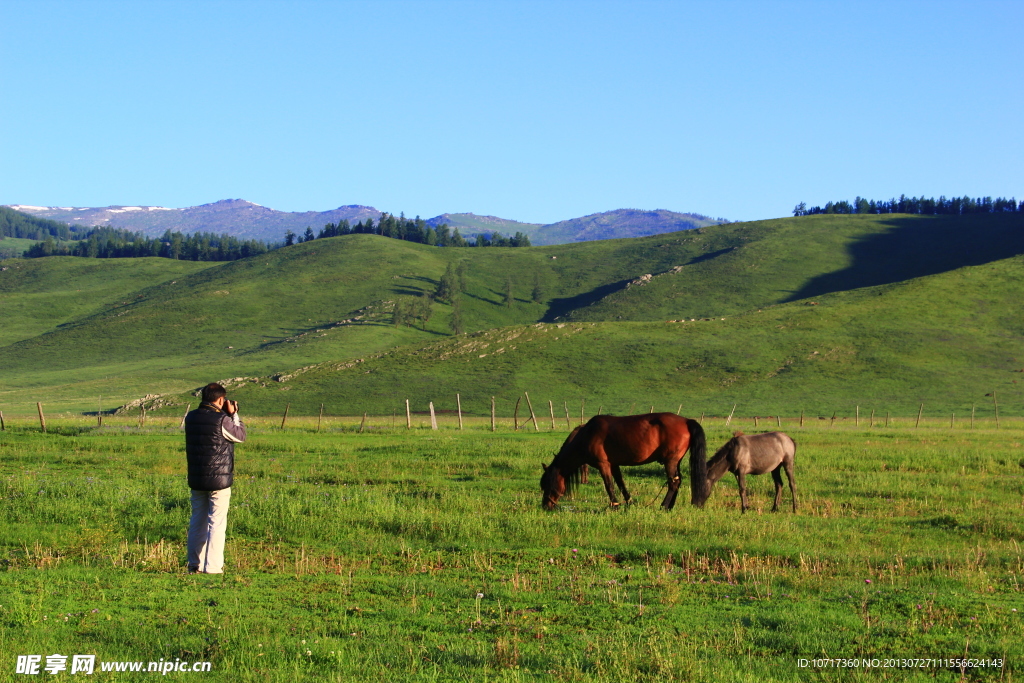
[699,489]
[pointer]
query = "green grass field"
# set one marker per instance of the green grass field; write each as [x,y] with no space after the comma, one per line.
[416,555]
[365,551]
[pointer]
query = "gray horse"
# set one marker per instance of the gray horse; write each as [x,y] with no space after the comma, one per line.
[743,455]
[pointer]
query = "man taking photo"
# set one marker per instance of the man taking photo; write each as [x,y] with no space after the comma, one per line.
[211,432]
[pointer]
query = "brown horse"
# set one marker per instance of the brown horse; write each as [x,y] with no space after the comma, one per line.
[743,455]
[608,442]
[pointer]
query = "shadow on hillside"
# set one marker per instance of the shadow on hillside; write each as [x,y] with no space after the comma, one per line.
[564,306]
[710,255]
[919,246]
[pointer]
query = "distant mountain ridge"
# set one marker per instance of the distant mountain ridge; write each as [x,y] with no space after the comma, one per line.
[620,223]
[246,220]
[235,217]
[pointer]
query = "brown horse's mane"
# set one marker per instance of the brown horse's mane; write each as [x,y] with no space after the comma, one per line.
[569,460]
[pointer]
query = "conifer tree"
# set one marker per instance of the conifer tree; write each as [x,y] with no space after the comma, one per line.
[447,285]
[456,322]
[426,309]
[398,313]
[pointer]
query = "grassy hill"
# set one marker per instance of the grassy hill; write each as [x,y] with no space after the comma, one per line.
[42,295]
[748,265]
[945,340]
[132,331]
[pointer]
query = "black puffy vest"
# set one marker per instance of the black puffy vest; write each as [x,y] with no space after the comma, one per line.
[211,457]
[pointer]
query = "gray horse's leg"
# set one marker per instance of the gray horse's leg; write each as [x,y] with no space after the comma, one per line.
[777,477]
[741,480]
[788,464]
[617,474]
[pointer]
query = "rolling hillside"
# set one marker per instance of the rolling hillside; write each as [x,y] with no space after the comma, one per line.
[133,331]
[944,340]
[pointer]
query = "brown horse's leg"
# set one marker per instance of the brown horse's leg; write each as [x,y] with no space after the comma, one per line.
[777,476]
[583,473]
[617,473]
[672,472]
[741,479]
[606,473]
[788,464]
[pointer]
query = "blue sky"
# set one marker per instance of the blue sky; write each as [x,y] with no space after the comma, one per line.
[535,111]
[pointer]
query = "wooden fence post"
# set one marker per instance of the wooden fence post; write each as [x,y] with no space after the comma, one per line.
[3,427]
[871,422]
[755,422]
[995,402]
[728,420]
[832,422]
[515,414]
[679,409]
[551,407]
[362,424]
[583,402]
[972,416]
[778,421]
[568,425]
[187,406]
[320,418]
[284,418]
[952,417]
[494,425]
[652,411]
[408,415]
[701,416]
[142,416]
[42,420]
[801,419]
[458,402]
[433,420]
[532,415]
[857,419]
[919,411]
[887,418]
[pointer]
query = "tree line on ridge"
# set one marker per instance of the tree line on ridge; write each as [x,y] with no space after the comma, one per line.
[411,230]
[956,206]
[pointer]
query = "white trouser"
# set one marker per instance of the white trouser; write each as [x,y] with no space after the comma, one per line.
[207,531]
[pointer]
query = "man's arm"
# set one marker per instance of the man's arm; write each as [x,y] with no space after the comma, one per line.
[232,428]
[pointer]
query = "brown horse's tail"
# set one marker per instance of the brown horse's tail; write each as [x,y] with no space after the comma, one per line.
[699,489]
